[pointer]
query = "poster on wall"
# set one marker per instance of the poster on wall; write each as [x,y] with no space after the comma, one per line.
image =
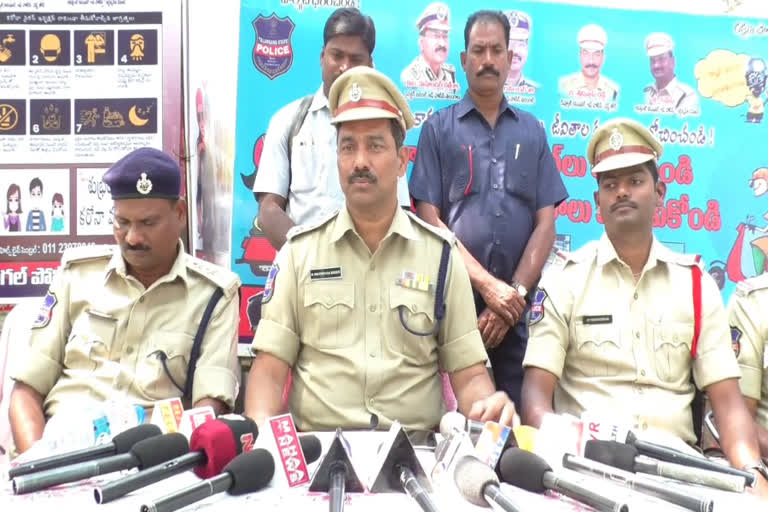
[81,85]
[697,82]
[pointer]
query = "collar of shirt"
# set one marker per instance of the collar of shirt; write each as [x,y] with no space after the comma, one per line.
[466,105]
[401,225]
[179,269]
[670,88]
[607,253]
[319,101]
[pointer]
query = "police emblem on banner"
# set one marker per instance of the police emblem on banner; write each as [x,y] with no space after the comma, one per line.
[736,340]
[272,52]
[269,287]
[537,306]
[46,311]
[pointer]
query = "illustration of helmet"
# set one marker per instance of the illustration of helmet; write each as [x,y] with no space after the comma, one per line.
[50,47]
[756,74]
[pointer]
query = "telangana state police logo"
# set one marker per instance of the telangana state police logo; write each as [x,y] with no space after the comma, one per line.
[272,52]
[736,340]
[537,306]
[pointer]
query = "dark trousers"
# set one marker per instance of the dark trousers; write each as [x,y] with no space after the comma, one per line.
[507,361]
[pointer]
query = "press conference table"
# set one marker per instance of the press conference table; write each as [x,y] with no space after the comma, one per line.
[78,497]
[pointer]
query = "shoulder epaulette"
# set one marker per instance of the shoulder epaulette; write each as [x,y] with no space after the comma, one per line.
[310,226]
[225,279]
[752,284]
[86,253]
[446,235]
[587,251]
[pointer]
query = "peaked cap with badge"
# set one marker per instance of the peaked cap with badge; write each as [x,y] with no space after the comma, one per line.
[621,143]
[364,93]
[145,173]
[436,16]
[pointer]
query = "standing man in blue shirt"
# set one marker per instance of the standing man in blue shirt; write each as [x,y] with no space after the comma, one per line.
[485,171]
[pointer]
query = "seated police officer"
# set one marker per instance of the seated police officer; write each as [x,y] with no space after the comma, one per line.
[349,304]
[119,322]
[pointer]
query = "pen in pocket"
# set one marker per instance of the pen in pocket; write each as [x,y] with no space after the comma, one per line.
[471,171]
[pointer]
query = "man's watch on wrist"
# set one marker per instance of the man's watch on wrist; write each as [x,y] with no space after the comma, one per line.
[520,289]
[758,467]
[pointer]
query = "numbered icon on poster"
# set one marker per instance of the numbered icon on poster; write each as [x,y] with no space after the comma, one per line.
[13,48]
[50,117]
[136,47]
[49,48]
[13,117]
[115,116]
[94,47]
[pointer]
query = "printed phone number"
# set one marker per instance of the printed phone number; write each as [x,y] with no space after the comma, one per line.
[44,248]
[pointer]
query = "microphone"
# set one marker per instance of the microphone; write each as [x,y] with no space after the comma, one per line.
[120,444]
[639,483]
[670,455]
[530,472]
[311,446]
[627,458]
[248,472]
[455,420]
[147,453]
[479,485]
[212,446]
[336,475]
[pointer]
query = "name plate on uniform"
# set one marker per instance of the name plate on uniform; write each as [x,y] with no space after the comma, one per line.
[321,274]
[597,319]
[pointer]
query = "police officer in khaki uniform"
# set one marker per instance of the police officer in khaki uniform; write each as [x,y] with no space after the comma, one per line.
[667,90]
[520,26]
[612,324]
[748,318]
[589,83]
[350,302]
[431,66]
[118,322]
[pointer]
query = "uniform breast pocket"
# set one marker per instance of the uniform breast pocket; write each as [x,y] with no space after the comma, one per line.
[461,166]
[520,176]
[672,344]
[599,350]
[416,308]
[328,319]
[304,163]
[89,342]
[157,380]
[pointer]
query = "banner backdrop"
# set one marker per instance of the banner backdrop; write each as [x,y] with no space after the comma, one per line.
[710,122]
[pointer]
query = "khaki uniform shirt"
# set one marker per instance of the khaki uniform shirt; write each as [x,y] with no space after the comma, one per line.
[419,71]
[575,86]
[748,317]
[622,347]
[756,105]
[98,335]
[676,94]
[331,312]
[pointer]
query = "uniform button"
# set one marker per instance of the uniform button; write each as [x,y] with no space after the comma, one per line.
[141,299]
[327,299]
[414,307]
[373,266]
[372,355]
[129,350]
[636,295]
[640,390]
[498,214]
[372,308]
[495,186]
[493,160]
[637,334]
[494,270]
[497,242]
[642,372]
[645,426]
[371,401]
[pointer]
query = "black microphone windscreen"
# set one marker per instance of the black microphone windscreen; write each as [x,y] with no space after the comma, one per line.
[244,431]
[156,450]
[250,471]
[523,469]
[311,447]
[618,455]
[124,441]
[471,477]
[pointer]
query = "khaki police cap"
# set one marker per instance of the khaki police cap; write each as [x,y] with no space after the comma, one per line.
[520,24]
[436,16]
[592,37]
[658,43]
[621,143]
[364,93]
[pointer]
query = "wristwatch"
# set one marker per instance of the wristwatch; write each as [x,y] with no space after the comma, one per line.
[758,467]
[522,290]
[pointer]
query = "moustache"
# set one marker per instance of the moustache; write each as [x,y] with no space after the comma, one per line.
[591,66]
[622,204]
[362,175]
[491,71]
[441,49]
[137,247]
